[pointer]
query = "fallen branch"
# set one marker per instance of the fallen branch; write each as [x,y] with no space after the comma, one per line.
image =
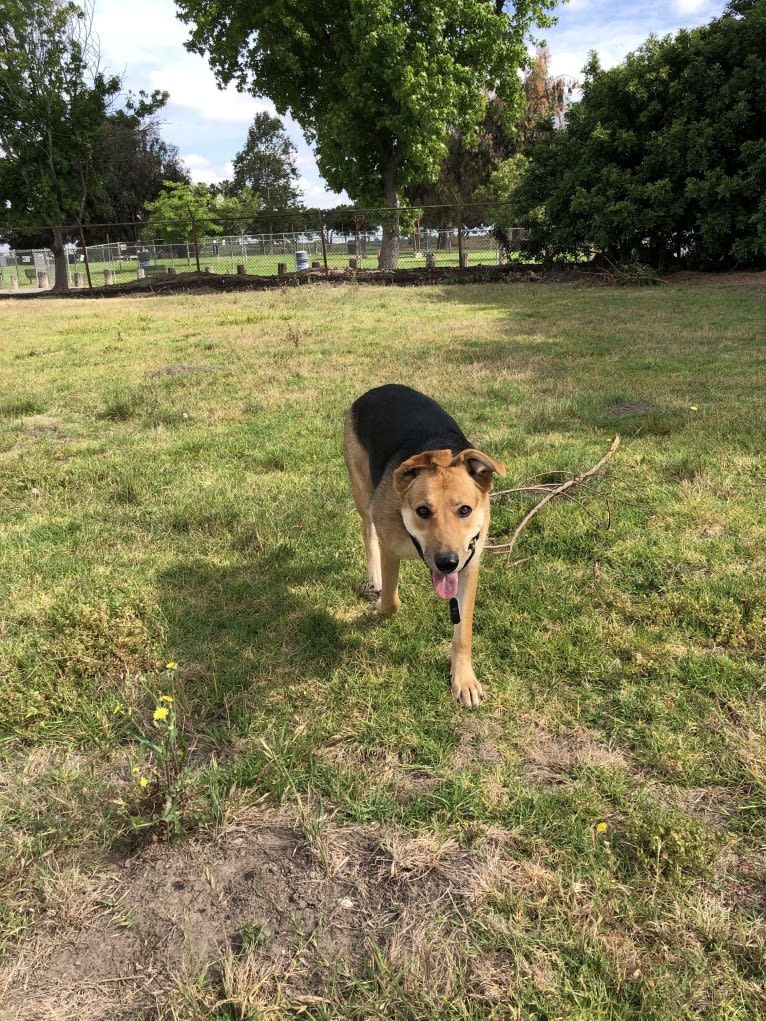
[552,490]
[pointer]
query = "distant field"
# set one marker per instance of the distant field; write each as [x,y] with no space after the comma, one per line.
[228,791]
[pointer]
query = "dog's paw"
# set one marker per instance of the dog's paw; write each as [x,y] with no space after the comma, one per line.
[466,689]
[389,606]
[368,592]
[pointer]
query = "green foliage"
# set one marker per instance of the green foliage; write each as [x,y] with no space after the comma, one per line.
[172,490]
[54,105]
[265,166]
[182,212]
[251,936]
[472,160]
[375,85]
[664,158]
[133,162]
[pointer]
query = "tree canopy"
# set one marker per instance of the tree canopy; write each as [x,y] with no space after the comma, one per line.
[374,84]
[185,212]
[266,165]
[180,213]
[664,158]
[470,161]
[54,102]
[133,162]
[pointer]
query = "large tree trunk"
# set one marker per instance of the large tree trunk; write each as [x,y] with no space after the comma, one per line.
[60,262]
[389,252]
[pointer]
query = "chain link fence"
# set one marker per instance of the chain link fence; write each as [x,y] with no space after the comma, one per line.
[266,252]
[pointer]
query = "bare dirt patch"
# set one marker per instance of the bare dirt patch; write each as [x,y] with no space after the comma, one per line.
[737,278]
[257,906]
[626,409]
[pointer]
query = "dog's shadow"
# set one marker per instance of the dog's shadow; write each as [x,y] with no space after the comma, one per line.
[254,625]
[274,623]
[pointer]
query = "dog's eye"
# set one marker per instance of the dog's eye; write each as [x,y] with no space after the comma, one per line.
[464,511]
[423,512]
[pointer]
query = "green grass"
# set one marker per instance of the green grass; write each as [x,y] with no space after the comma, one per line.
[172,491]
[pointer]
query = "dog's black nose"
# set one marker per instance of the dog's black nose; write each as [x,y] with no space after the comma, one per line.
[446,562]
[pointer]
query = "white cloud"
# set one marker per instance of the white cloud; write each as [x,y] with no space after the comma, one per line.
[567,63]
[193,87]
[316,195]
[690,6]
[141,33]
[203,170]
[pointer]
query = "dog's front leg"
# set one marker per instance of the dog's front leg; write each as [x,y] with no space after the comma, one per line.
[389,590]
[372,552]
[465,687]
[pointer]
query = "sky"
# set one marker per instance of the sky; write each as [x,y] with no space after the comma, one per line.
[143,41]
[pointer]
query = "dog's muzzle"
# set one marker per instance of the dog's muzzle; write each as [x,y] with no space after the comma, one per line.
[446,567]
[453,558]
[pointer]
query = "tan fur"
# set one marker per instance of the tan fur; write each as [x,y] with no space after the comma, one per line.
[445,484]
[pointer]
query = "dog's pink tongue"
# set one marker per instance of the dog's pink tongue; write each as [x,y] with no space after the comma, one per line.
[445,585]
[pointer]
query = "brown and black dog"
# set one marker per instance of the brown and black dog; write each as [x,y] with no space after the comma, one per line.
[421,490]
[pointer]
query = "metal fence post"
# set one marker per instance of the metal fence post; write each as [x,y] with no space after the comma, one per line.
[195,240]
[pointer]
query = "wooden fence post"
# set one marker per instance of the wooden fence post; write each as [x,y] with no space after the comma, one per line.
[324,240]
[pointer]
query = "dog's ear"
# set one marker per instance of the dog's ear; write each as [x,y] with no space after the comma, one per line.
[408,470]
[481,467]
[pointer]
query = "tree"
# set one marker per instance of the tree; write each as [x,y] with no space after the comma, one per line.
[133,162]
[375,84]
[53,103]
[469,163]
[266,165]
[239,213]
[663,160]
[182,212]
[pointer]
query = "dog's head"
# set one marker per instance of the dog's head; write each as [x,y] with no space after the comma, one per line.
[445,508]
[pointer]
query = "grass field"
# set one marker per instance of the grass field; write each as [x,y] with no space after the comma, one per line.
[227,790]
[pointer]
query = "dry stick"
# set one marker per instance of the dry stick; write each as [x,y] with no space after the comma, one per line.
[551,494]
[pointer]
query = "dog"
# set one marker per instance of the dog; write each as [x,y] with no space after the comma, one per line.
[422,490]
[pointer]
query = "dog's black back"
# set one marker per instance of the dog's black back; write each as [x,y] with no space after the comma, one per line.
[393,422]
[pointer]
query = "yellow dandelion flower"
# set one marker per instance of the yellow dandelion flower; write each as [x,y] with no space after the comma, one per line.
[143,782]
[117,709]
[171,666]
[166,698]
[160,713]
[602,827]
[134,771]
[693,407]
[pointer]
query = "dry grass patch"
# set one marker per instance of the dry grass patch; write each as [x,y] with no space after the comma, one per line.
[553,757]
[251,917]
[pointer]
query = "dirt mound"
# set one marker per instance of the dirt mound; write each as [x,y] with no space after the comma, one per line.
[590,275]
[216,283]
